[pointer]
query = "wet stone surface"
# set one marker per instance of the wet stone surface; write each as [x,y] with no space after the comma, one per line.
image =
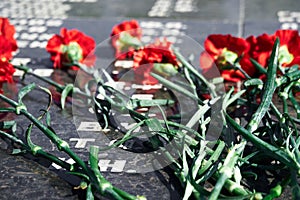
[37,21]
[23,179]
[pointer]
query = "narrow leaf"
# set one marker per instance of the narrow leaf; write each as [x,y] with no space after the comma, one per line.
[47,91]
[175,87]
[234,98]
[48,119]
[194,71]
[7,124]
[68,88]
[194,169]
[213,158]
[89,193]
[268,91]
[34,148]
[153,102]
[17,151]
[196,117]
[254,82]
[258,66]
[110,81]
[25,90]
[266,147]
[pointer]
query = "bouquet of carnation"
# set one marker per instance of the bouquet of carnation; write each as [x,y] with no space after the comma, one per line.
[219,127]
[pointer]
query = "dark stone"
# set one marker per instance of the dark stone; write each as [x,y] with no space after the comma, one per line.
[23,179]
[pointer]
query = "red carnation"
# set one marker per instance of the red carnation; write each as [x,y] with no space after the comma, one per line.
[6,48]
[126,38]
[223,50]
[145,59]
[126,26]
[289,50]
[7,31]
[71,46]
[6,69]
[260,48]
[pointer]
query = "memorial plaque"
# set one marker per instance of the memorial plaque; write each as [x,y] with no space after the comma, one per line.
[37,21]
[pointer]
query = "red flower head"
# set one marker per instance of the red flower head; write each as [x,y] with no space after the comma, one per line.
[7,31]
[6,48]
[261,47]
[6,69]
[158,57]
[289,50]
[71,46]
[125,38]
[224,50]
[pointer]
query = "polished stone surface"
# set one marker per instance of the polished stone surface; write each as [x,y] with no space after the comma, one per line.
[23,179]
[37,21]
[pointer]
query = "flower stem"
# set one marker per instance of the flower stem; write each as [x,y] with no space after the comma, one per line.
[105,186]
[195,72]
[226,171]
[274,152]
[58,86]
[62,145]
[39,152]
[295,104]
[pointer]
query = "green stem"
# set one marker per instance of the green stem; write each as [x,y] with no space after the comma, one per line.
[235,188]
[105,186]
[58,86]
[238,67]
[62,145]
[295,185]
[288,77]
[39,152]
[54,159]
[123,109]
[195,72]
[28,70]
[272,151]
[295,103]
[275,192]
[226,171]
[99,181]
[172,86]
